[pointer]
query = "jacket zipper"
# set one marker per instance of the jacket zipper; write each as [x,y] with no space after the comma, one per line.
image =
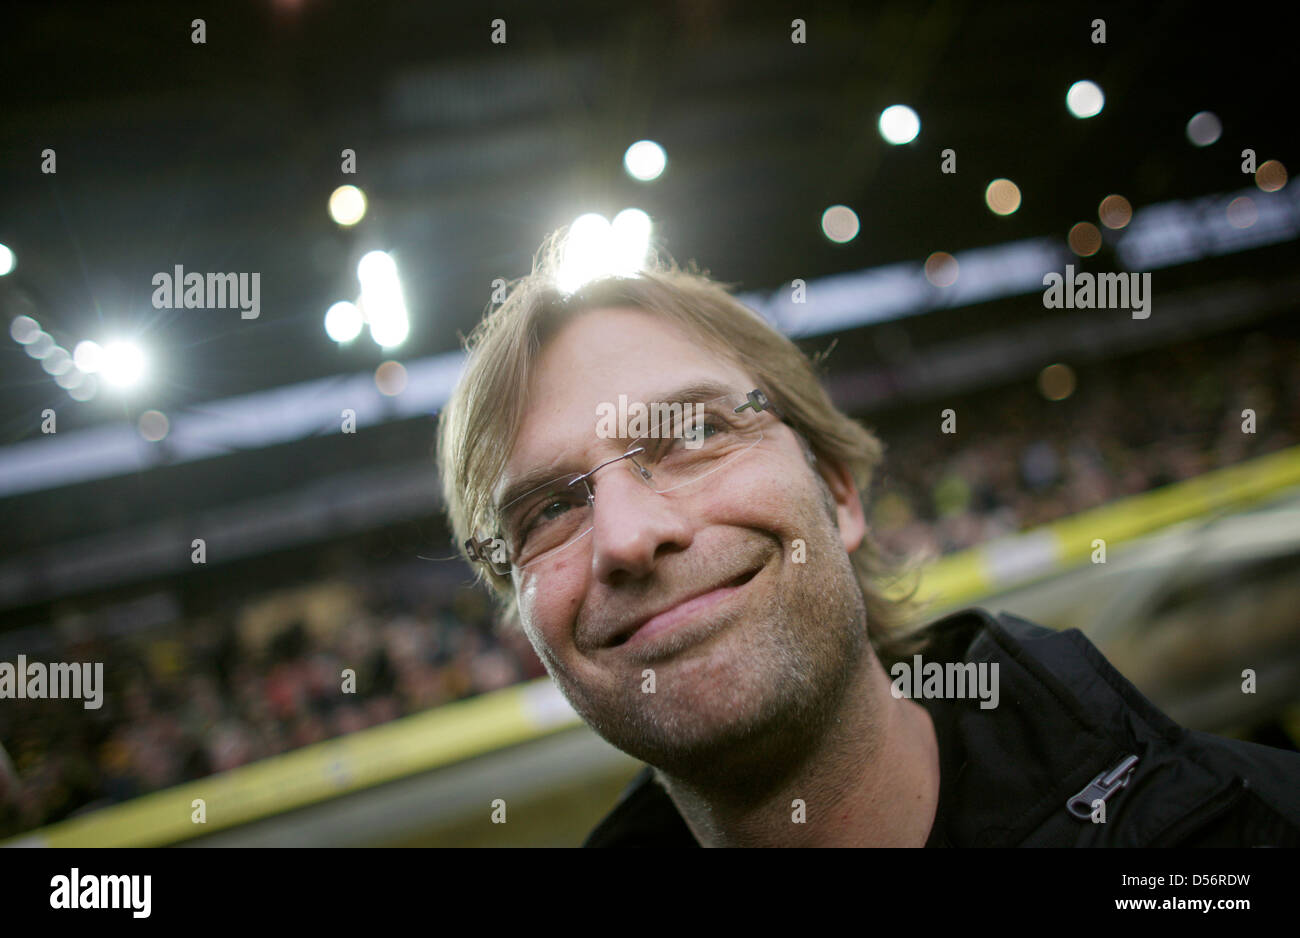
[1101,788]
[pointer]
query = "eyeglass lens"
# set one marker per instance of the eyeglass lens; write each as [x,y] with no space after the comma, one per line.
[690,443]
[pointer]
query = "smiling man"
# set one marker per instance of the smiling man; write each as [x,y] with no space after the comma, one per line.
[717,610]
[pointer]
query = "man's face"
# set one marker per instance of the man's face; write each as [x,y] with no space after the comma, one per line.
[764,655]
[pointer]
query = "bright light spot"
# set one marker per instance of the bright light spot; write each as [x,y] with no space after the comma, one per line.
[1085,239]
[1271,176]
[376,266]
[899,124]
[24,329]
[1115,211]
[586,247]
[632,225]
[1002,196]
[6,260]
[645,160]
[840,224]
[70,378]
[122,364]
[1203,129]
[594,248]
[1084,99]
[347,205]
[631,229]
[381,299]
[941,269]
[57,362]
[40,345]
[1056,382]
[88,356]
[389,331]
[390,379]
[84,390]
[343,322]
[153,425]
[1242,212]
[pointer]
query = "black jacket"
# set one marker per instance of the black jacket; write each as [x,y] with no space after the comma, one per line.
[1065,717]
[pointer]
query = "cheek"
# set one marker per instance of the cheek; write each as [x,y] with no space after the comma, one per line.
[548,604]
[774,496]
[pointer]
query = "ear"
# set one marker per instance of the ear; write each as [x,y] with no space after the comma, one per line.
[849,517]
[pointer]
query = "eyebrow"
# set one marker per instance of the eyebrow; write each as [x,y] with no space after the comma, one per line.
[696,392]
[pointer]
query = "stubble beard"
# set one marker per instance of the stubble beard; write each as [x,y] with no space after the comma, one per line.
[754,718]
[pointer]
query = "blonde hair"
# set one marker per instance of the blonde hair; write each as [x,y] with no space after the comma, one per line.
[481,421]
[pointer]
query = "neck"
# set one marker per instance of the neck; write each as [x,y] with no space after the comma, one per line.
[869,778]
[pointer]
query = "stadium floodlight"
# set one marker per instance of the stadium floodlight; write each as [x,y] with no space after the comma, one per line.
[347,205]
[381,299]
[123,364]
[899,124]
[1085,99]
[343,322]
[645,160]
[596,248]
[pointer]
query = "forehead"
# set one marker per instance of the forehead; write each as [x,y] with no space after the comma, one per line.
[592,359]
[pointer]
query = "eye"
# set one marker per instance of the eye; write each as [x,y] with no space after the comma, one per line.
[713,426]
[546,514]
[709,428]
[548,510]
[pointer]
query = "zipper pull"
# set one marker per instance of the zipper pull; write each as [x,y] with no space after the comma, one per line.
[1101,787]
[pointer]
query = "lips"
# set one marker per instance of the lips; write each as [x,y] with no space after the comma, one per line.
[625,632]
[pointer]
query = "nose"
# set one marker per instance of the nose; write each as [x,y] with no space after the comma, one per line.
[633,526]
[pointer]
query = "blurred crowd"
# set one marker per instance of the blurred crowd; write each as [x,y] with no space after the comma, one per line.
[1019,460]
[199,695]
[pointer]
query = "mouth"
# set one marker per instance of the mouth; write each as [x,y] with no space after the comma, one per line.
[668,618]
